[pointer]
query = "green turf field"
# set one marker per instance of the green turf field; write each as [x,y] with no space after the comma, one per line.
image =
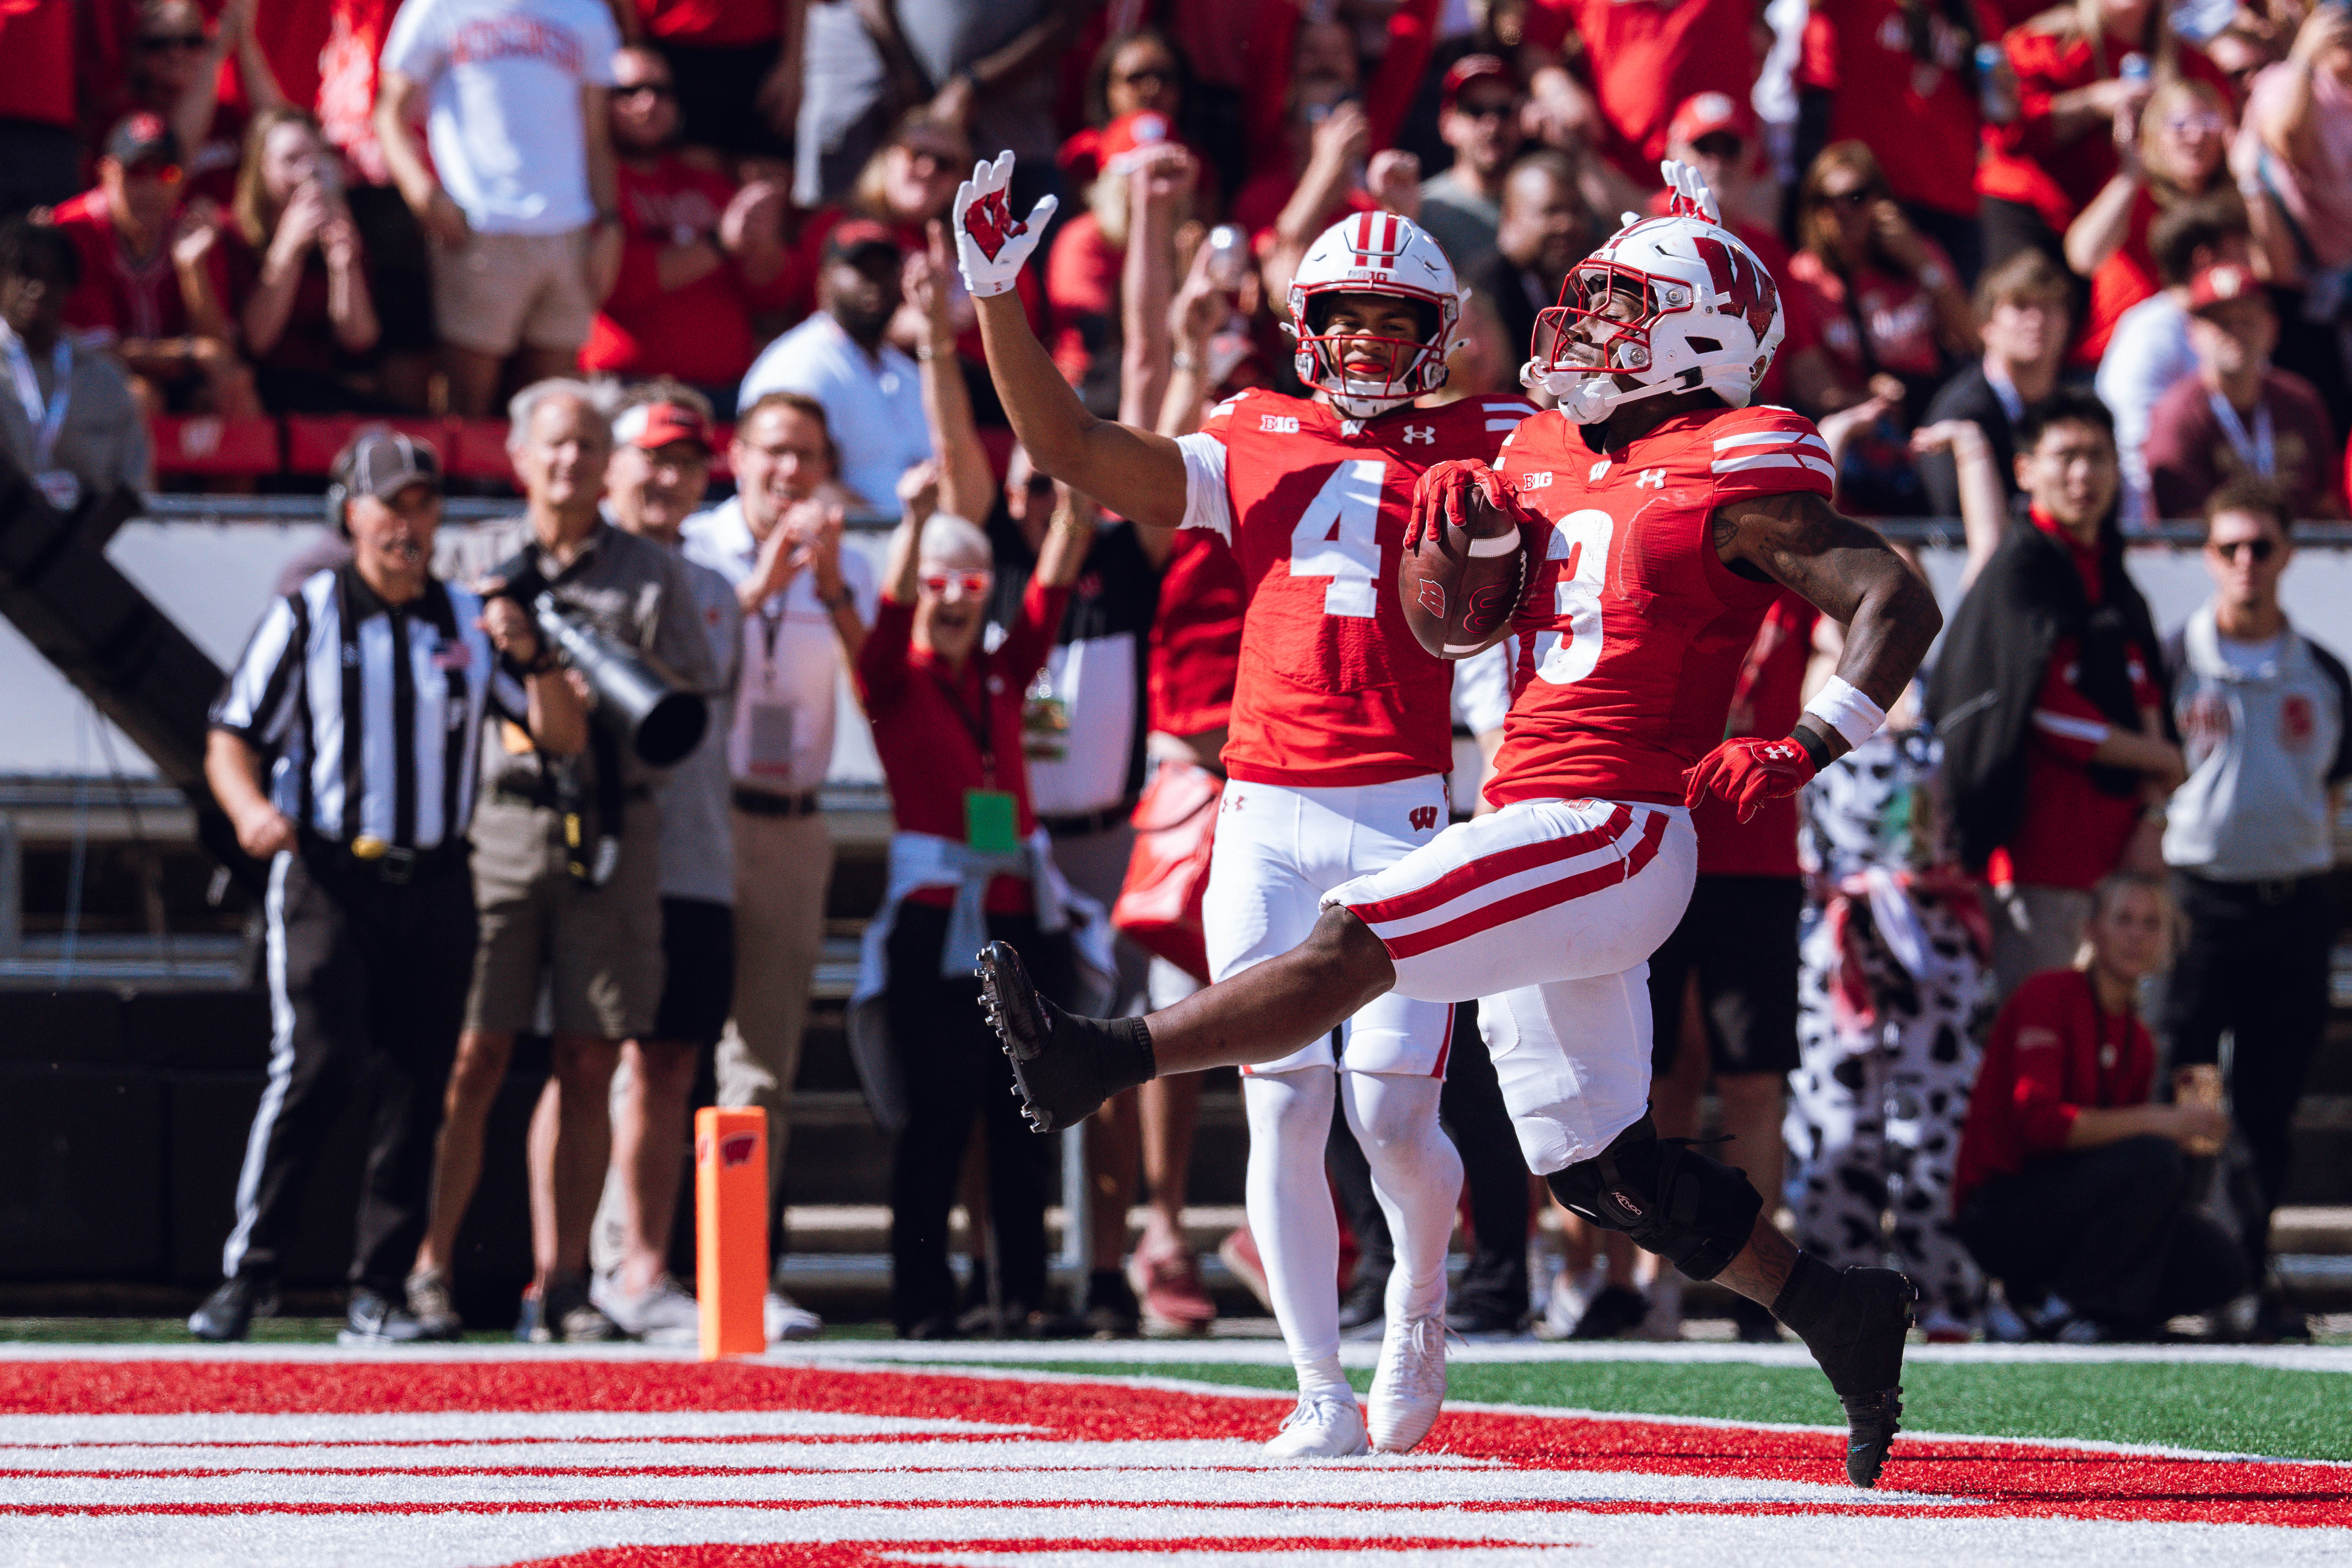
[2219,1407]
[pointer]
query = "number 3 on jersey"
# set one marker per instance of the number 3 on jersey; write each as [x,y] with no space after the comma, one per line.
[1580,541]
[1338,536]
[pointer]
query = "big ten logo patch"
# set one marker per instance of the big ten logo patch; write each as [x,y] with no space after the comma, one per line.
[1279,424]
[1539,480]
[1425,817]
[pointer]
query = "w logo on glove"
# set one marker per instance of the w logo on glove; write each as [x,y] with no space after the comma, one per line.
[990,242]
[991,222]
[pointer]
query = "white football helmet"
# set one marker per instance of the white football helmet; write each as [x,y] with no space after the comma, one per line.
[1375,252]
[1709,314]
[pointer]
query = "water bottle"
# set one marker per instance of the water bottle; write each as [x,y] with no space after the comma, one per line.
[1996,85]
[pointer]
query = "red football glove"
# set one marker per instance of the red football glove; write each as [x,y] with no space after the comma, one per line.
[1748,772]
[1442,494]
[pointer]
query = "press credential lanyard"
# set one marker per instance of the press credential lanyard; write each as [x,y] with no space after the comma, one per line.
[2258,452]
[47,420]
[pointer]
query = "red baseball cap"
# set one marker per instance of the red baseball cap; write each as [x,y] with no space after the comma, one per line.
[1124,139]
[653,426]
[1475,67]
[853,237]
[2221,283]
[1705,114]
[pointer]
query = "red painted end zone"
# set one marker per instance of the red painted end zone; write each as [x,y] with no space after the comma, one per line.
[1994,1477]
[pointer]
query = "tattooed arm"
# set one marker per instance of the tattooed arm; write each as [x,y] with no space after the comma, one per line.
[1849,572]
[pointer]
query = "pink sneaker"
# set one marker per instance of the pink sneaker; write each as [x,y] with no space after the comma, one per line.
[1167,1282]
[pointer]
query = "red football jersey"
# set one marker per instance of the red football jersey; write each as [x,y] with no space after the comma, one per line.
[1332,687]
[1632,632]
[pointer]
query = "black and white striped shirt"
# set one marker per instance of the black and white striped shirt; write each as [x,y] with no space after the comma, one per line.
[420,676]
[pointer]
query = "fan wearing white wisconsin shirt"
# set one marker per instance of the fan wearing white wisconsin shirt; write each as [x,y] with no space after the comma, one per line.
[1339,740]
[778,540]
[519,200]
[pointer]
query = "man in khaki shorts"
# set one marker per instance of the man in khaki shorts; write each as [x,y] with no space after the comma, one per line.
[566,871]
[518,201]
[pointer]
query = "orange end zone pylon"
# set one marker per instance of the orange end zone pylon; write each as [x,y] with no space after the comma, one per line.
[730,1213]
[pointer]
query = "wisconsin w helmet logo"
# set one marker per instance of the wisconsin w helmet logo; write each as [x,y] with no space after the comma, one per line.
[1746,286]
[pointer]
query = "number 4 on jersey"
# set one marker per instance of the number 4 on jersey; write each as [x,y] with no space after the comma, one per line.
[1338,536]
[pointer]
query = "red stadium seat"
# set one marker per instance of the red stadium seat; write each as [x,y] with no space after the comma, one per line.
[206,444]
[478,450]
[313,440]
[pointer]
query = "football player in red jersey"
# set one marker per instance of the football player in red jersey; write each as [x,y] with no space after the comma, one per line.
[1341,736]
[1663,514]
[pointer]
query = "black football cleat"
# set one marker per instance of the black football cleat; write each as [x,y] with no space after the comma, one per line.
[1871,1423]
[1859,1343]
[1064,1066]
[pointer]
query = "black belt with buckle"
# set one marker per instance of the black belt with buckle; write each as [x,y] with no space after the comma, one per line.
[763,803]
[386,862]
[1073,824]
[2265,890]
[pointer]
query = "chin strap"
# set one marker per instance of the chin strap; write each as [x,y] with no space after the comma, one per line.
[1589,399]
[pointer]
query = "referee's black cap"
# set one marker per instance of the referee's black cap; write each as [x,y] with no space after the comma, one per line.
[382,463]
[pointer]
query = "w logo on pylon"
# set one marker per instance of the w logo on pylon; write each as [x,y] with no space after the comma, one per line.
[1425,817]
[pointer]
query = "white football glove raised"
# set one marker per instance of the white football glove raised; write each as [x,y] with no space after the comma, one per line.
[990,242]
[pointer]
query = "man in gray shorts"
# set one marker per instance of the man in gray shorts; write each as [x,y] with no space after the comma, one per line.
[567,870]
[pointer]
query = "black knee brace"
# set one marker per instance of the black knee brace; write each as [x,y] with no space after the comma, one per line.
[1692,1211]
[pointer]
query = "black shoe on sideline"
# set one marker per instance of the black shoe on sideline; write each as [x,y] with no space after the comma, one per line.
[228,1313]
[938,1326]
[1366,1303]
[1754,1322]
[374,1319]
[1064,1066]
[1487,1320]
[1617,1310]
[1112,1312]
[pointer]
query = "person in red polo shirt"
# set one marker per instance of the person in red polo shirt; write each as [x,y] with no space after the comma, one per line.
[2072,1190]
[968,864]
[697,252]
[2049,699]
[152,280]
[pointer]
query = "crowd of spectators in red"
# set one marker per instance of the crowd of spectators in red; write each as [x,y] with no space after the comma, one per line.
[410,206]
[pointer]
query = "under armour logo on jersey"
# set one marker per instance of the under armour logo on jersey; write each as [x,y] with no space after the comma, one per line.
[1651,479]
[1424,434]
[1592,475]
[1425,817]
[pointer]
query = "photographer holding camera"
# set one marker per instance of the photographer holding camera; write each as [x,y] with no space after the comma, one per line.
[566,859]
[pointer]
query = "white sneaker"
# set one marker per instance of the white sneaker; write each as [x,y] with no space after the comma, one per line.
[1408,1386]
[788,1320]
[1571,1295]
[661,1314]
[1323,1427]
[1663,1321]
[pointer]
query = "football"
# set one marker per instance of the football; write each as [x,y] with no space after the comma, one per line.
[1460,584]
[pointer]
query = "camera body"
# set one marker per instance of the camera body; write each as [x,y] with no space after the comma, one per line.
[647,712]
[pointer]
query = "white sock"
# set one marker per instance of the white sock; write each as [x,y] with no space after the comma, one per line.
[1416,1175]
[1288,1200]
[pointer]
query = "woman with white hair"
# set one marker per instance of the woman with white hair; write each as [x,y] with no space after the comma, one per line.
[968,864]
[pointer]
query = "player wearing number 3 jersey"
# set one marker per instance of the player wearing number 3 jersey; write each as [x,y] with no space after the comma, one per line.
[1340,737]
[1661,513]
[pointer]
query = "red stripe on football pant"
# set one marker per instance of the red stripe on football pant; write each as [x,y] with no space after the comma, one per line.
[1486,868]
[1504,910]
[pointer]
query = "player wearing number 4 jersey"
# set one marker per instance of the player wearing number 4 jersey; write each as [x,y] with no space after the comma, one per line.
[1658,512]
[1340,737]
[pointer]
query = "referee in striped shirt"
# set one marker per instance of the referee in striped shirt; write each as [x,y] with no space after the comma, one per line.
[343,750]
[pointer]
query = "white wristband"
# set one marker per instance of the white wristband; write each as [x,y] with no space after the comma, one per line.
[1846,710]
